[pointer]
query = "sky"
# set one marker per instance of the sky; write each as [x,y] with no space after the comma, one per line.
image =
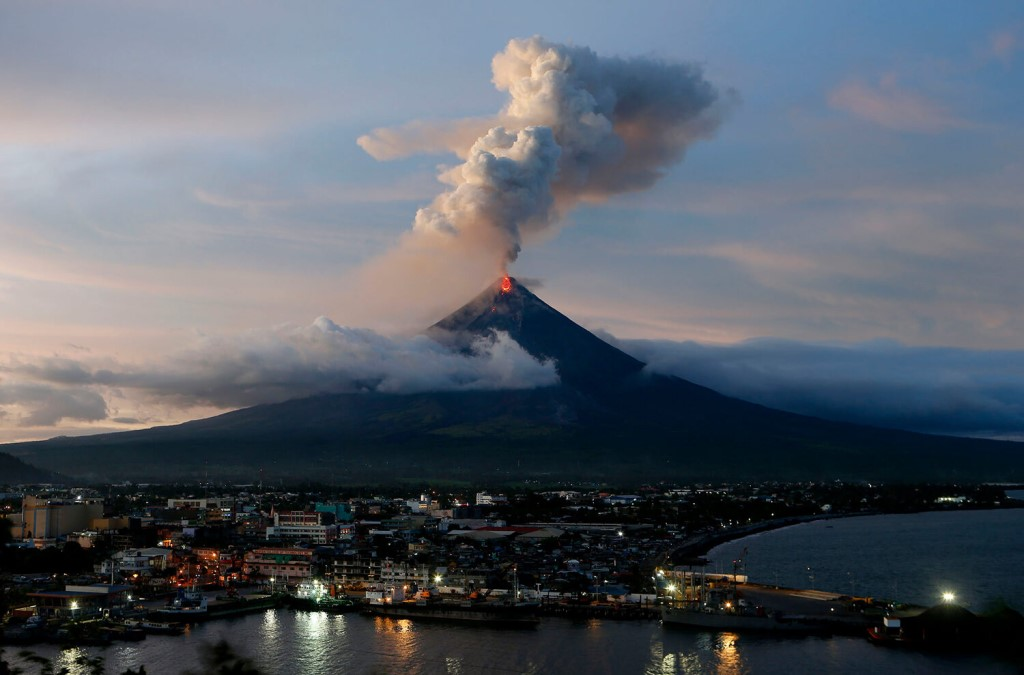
[205,206]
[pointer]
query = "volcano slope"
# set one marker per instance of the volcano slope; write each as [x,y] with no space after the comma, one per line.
[609,420]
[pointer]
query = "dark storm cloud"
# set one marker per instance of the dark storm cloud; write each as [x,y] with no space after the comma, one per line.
[46,404]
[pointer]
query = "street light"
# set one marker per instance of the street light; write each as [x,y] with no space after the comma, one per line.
[948,596]
[74,606]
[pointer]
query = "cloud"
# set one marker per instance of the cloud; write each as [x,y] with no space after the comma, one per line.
[420,136]
[890,106]
[1006,42]
[880,383]
[39,404]
[264,366]
[577,127]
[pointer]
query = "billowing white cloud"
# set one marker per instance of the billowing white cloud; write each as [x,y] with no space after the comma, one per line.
[262,366]
[577,126]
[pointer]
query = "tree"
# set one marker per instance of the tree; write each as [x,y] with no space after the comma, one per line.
[5,668]
[221,659]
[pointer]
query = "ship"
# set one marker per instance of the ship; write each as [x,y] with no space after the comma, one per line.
[711,602]
[315,596]
[738,620]
[186,605]
[475,611]
[155,627]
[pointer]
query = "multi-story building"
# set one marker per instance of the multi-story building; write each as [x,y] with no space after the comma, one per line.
[284,564]
[208,509]
[140,560]
[342,511]
[301,526]
[47,519]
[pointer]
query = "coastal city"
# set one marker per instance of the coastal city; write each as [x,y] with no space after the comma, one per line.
[89,566]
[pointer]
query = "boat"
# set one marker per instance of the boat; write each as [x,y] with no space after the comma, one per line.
[738,620]
[510,614]
[186,605]
[315,596]
[156,627]
[230,605]
[890,633]
[948,627]
[124,632]
[524,615]
[708,605]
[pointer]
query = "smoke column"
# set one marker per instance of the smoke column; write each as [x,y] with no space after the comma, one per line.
[577,126]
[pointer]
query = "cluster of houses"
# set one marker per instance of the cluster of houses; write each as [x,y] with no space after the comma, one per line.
[356,544]
[582,544]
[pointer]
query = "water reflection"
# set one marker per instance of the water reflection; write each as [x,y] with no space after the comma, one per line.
[729,661]
[313,640]
[672,663]
[695,654]
[398,636]
[66,661]
[271,628]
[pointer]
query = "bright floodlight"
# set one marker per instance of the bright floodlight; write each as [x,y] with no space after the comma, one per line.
[671,588]
[948,596]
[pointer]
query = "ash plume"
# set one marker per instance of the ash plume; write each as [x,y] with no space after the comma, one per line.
[577,126]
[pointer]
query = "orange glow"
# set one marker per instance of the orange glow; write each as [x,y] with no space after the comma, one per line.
[506,284]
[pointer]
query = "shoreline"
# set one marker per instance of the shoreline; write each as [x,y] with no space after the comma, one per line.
[699,546]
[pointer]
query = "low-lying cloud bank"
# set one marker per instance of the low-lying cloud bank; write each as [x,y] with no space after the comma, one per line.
[260,367]
[882,383]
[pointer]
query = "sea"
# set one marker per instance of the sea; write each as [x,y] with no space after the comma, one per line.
[912,558]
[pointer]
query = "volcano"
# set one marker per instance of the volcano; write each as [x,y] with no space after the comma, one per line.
[582,359]
[608,419]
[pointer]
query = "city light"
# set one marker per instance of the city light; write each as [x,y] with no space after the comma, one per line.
[948,596]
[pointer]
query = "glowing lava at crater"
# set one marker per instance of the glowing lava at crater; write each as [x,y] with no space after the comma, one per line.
[506,284]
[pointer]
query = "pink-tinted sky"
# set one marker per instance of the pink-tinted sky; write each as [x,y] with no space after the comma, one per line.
[183,194]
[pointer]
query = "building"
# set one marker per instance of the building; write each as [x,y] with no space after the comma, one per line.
[284,564]
[81,602]
[342,511]
[137,561]
[487,499]
[46,519]
[301,526]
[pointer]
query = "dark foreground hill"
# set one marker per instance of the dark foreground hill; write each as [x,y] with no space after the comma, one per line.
[608,420]
[13,471]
